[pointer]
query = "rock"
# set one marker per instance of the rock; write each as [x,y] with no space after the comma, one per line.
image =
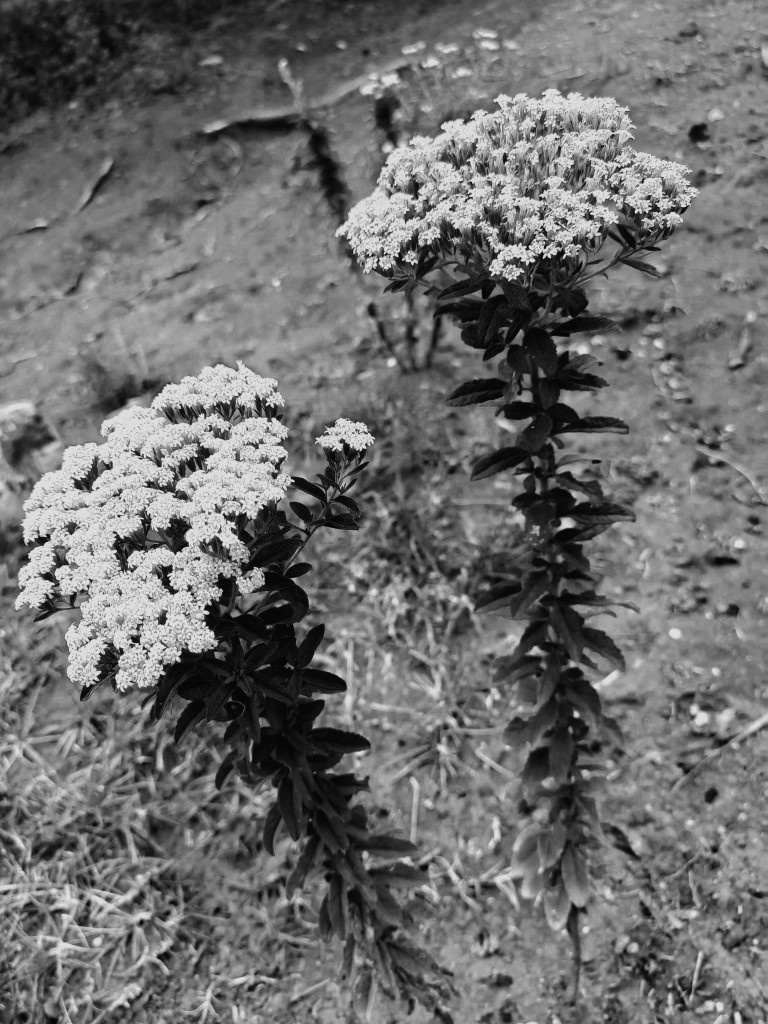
[29,446]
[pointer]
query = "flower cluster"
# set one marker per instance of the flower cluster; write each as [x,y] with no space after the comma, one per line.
[346,433]
[534,183]
[147,527]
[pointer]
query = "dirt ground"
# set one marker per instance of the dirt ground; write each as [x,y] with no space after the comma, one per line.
[196,249]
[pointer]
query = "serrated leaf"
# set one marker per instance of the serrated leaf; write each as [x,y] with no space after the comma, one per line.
[561,748]
[498,461]
[339,740]
[515,295]
[317,680]
[586,323]
[535,434]
[594,425]
[589,514]
[473,392]
[541,348]
[642,266]
[461,288]
[603,645]
[517,359]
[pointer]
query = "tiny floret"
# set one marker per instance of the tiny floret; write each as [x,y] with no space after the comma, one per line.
[346,433]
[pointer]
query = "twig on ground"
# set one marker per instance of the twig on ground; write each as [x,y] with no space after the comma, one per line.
[717,457]
[746,732]
[308,991]
[696,974]
[414,831]
[93,187]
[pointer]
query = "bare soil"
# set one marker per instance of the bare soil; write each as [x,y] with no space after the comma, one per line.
[199,249]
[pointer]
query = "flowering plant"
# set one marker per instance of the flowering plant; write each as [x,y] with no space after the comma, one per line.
[172,542]
[524,205]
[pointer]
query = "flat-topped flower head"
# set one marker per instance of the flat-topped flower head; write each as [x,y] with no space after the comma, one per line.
[147,527]
[218,388]
[354,436]
[533,185]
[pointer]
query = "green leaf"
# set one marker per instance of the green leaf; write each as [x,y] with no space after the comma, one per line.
[301,511]
[338,907]
[519,410]
[572,301]
[399,876]
[473,392]
[298,569]
[603,645]
[317,680]
[594,425]
[561,749]
[569,626]
[498,596]
[587,513]
[464,310]
[541,348]
[642,266]
[586,323]
[339,740]
[308,488]
[549,393]
[461,288]
[216,701]
[341,521]
[273,552]
[289,802]
[225,769]
[309,646]
[575,877]
[271,823]
[509,669]
[517,360]
[191,716]
[515,295]
[387,846]
[330,828]
[535,434]
[486,328]
[557,906]
[498,461]
[303,866]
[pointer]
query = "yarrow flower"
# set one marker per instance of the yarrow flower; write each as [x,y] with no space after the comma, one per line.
[536,183]
[346,433]
[147,527]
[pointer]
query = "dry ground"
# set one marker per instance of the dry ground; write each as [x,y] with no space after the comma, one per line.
[130,891]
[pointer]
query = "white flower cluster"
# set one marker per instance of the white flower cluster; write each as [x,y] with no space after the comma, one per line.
[148,525]
[534,183]
[355,435]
